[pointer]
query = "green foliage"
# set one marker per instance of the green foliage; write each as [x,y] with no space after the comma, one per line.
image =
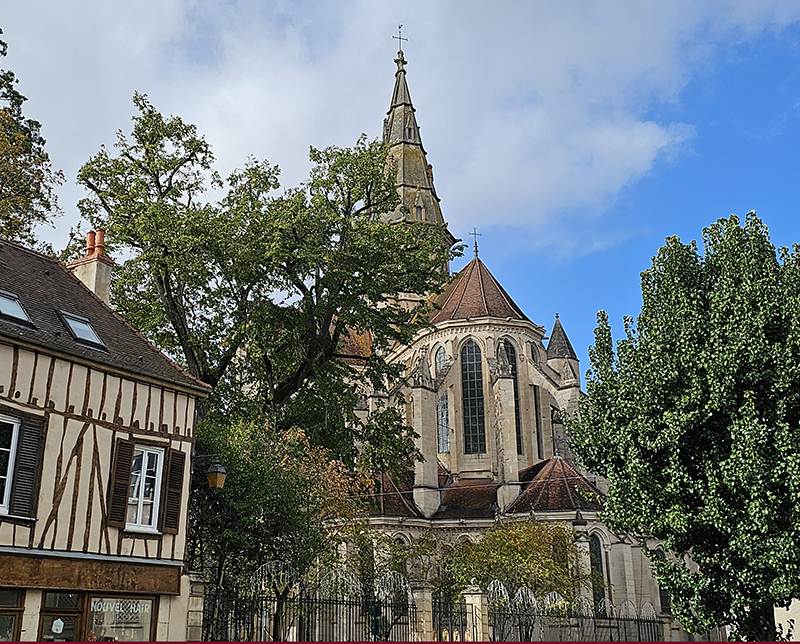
[694,421]
[27,178]
[257,295]
[542,556]
[279,499]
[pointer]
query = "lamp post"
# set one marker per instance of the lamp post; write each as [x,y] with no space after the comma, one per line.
[216,472]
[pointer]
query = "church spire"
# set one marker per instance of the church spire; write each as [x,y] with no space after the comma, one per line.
[414,175]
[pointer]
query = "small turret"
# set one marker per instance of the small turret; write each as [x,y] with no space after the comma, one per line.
[561,357]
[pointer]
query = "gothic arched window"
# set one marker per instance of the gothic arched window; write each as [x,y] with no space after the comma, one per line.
[663,595]
[443,424]
[511,355]
[596,555]
[439,360]
[472,399]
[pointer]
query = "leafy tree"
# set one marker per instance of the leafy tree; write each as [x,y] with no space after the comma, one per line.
[256,295]
[542,556]
[27,178]
[694,419]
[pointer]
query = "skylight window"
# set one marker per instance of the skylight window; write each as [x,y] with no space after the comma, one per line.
[11,308]
[82,329]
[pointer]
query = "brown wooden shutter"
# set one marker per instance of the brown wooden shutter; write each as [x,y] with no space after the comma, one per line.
[118,485]
[171,516]
[26,470]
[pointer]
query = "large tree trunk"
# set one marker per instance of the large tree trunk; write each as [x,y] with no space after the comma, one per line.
[760,625]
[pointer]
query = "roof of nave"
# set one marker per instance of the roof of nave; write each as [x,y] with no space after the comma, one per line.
[46,289]
[559,345]
[556,486]
[468,499]
[357,346]
[475,293]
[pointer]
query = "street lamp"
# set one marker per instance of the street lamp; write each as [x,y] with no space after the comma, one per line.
[216,475]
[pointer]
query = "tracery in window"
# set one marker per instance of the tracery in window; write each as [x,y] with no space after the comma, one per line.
[440,359]
[472,399]
[443,424]
[596,555]
[511,355]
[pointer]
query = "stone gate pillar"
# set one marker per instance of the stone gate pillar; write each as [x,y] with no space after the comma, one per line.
[476,597]
[423,599]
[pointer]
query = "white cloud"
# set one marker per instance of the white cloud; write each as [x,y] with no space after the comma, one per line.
[528,110]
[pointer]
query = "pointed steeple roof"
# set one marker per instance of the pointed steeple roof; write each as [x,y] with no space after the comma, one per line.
[475,293]
[559,345]
[414,173]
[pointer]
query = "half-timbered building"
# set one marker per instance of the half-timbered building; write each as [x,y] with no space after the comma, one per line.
[96,436]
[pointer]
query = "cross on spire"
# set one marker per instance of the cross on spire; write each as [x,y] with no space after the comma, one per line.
[476,234]
[399,37]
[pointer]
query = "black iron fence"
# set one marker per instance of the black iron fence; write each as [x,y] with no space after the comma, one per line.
[453,622]
[258,617]
[526,625]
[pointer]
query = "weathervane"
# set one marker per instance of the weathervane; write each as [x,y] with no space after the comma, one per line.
[476,234]
[399,37]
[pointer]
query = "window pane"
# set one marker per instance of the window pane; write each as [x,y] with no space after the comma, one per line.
[5,454]
[136,472]
[511,356]
[6,432]
[443,424]
[9,598]
[59,628]
[82,329]
[62,600]
[123,620]
[7,627]
[11,307]
[472,399]
[441,358]
[147,513]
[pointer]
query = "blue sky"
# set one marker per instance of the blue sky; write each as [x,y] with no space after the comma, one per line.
[575,135]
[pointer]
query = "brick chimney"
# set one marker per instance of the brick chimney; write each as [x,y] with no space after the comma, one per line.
[94,269]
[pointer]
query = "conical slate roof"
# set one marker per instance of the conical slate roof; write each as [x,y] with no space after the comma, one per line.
[475,293]
[558,486]
[559,345]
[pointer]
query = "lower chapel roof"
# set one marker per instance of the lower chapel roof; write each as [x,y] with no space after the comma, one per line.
[554,485]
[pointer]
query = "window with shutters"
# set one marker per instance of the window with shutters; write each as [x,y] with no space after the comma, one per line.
[146,488]
[20,453]
[9,433]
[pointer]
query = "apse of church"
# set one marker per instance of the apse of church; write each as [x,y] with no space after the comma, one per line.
[487,394]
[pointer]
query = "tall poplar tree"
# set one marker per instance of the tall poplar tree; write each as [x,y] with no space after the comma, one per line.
[694,418]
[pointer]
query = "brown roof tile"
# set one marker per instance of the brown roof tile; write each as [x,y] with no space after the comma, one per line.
[44,287]
[556,486]
[468,499]
[475,293]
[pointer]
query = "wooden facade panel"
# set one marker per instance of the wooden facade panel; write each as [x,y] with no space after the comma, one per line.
[140,405]
[100,535]
[47,482]
[24,372]
[6,533]
[107,411]
[77,388]
[22,535]
[92,575]
[125,401]
[125,548]
[59,385]
[38,391]
[139,548]
[95,392]
[6,364]
[190,404]
[154,411]
[168,410]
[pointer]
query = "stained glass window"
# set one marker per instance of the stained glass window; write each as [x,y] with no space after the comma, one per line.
[511,355]
[443,424]
[472,399]
[441,358]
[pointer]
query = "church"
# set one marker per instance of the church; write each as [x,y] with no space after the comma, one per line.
[487,392]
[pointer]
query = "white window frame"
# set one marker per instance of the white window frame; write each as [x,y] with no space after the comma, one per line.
[5,502]
[142,527]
